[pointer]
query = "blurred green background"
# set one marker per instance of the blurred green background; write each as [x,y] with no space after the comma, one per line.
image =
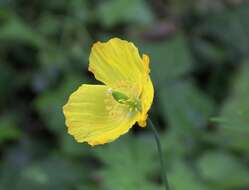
[199,52]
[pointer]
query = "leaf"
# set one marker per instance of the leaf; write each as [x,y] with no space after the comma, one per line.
[228,25]
[7,78]
[15,30]
[72,148]
[49,105]
[209,52]
[169,59]
[129,164]
[8,128]
[186,108]
[233,120]
[112,12]
[223,170]
[182,176]
[180,6]
[51,173]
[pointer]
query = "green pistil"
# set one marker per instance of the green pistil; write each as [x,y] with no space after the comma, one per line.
[134,105]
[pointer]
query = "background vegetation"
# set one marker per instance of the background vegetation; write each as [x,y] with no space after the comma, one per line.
[199,53]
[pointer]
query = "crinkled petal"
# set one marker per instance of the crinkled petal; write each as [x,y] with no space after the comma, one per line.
[117,61]
[93,116]
[147,94]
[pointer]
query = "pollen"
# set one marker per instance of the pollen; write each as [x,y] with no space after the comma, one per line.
[109,91]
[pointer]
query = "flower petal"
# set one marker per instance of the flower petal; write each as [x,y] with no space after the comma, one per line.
[147,94]
[93,116]
[117,61]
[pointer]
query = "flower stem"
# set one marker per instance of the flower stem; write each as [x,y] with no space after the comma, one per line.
[159,148]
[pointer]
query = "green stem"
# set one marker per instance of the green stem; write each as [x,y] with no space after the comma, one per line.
[159,148]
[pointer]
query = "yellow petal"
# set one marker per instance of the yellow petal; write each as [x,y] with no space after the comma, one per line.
[93,116]
[146,98]
[146,61]
[117,63]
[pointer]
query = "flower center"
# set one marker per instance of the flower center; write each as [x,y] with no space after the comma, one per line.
[133,104]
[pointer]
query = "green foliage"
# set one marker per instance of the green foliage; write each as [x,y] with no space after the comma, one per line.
[127,165]
[170,56]
[233,120]
[230,30]
[182,177]
[49,105]
[200,73]
[50,173]
[188,108]
[14,29]
[223,170]
[8,128]
[6,82]
[235,109]
[113,12]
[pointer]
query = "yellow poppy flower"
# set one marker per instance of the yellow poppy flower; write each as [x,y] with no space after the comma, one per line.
[99,114]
